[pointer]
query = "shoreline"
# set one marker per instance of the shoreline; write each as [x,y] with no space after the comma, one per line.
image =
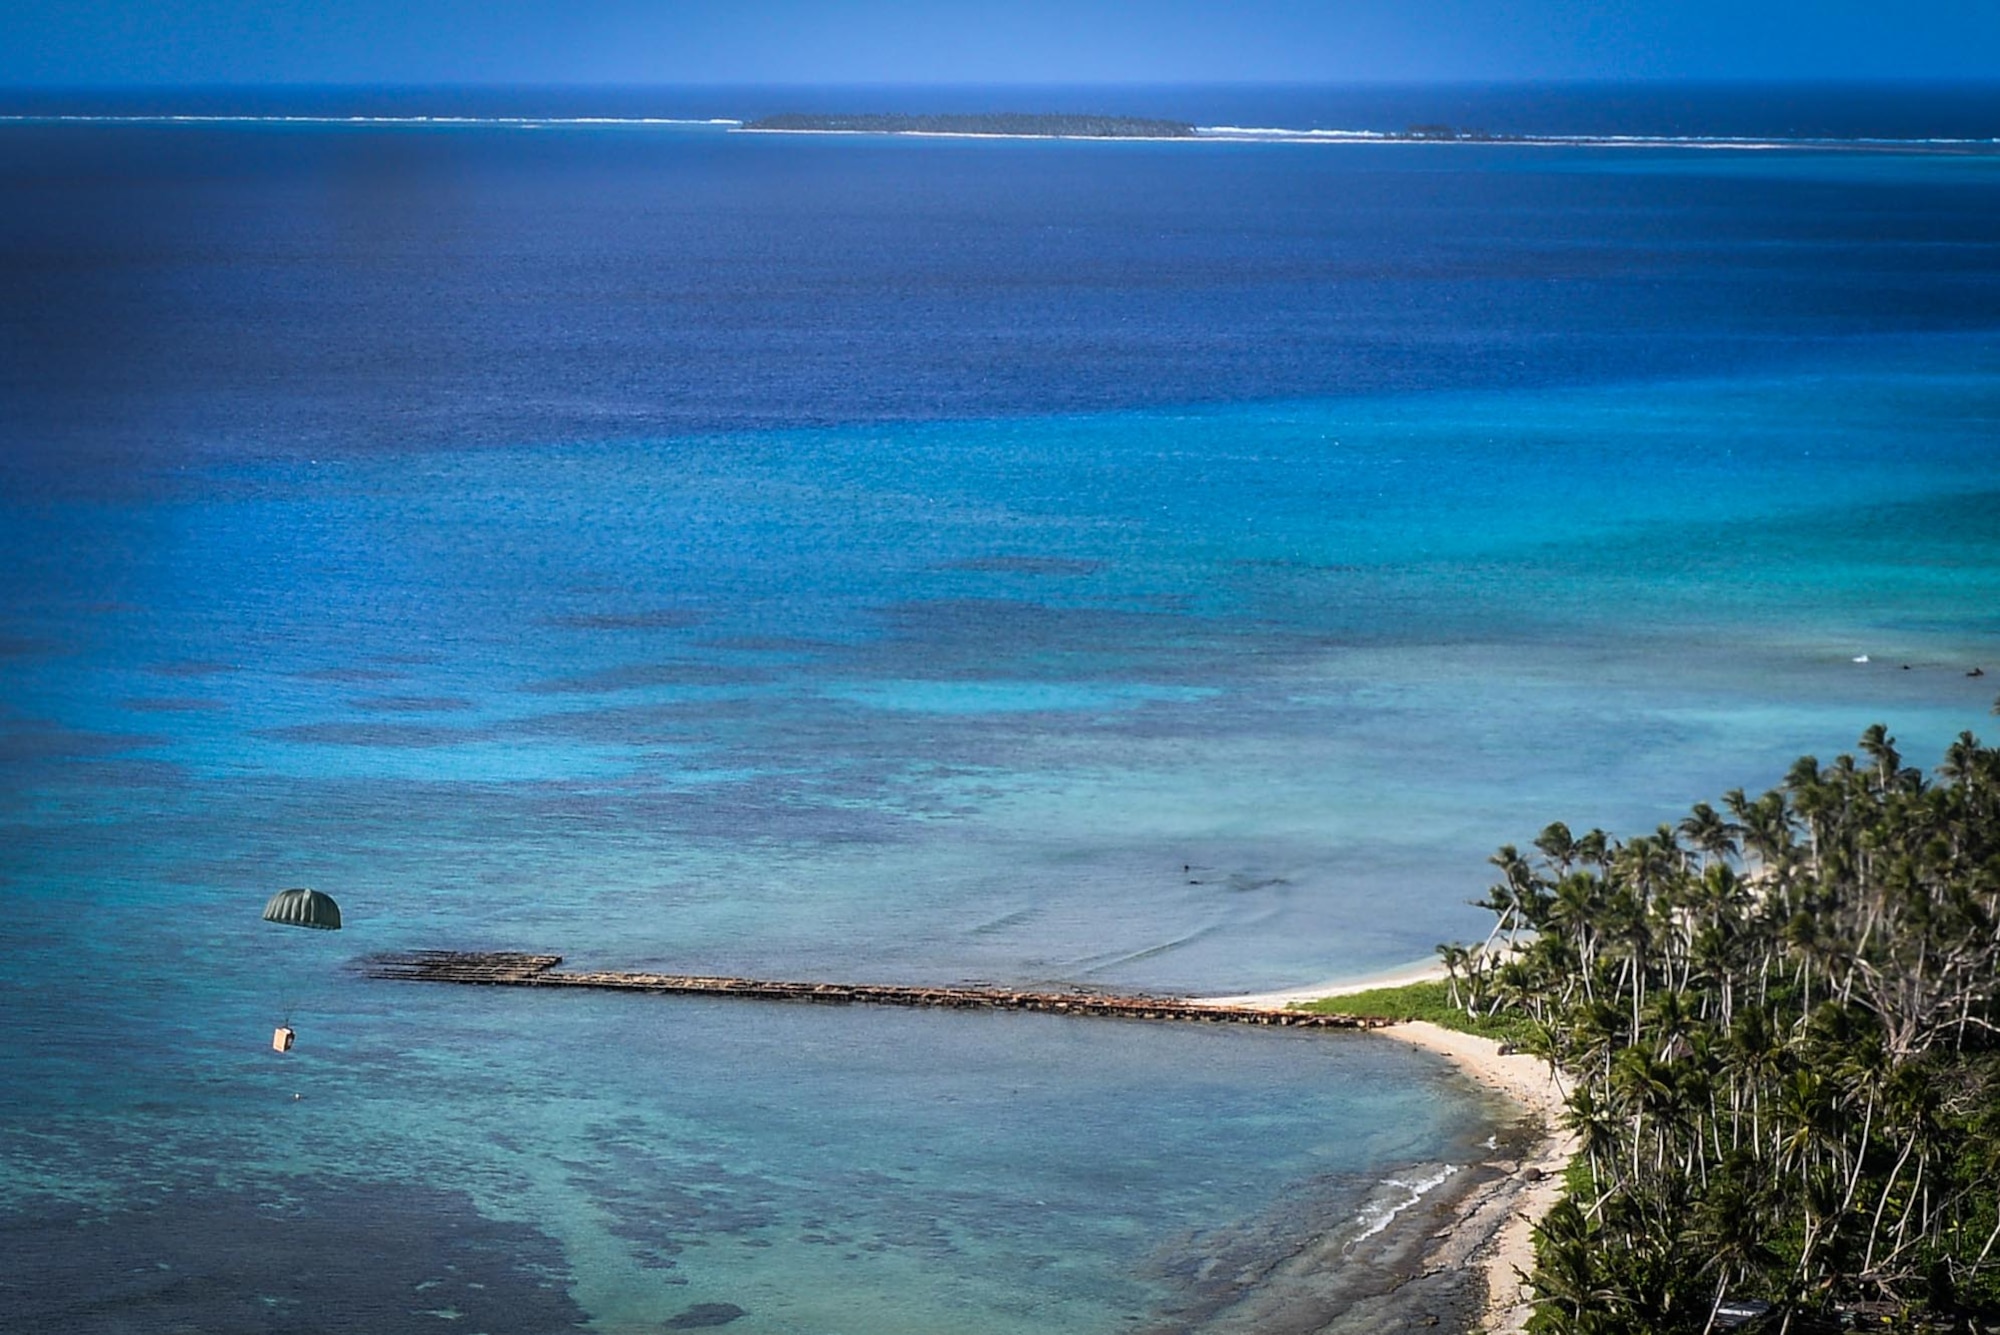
[1308,1267]
[1499,1221]
[1494,1224]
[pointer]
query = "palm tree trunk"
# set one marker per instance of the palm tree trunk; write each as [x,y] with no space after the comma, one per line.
[1721,1283]
[1854,1178]
[1916,1187]
[1991,1238]
[1868,1260]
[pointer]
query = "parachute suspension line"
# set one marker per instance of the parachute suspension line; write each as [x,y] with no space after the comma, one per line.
[299,907]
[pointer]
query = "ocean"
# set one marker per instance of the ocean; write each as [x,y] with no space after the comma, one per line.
[1161,567]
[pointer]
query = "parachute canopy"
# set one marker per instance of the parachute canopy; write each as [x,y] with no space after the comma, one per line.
[303,908]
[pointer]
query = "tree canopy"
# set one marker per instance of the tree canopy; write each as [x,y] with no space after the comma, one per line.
[1779,1030]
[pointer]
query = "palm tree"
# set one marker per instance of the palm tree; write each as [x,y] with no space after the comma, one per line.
[1731,1226]
[1961,761]
[1567,1281]
[1557,845]
[1767,831]
[1454,959]
[1573,912]
[1881,748]
[1592,847]
[1709,834]
[1595,1126]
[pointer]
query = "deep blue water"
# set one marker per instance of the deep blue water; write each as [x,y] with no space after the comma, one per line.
[1166,566]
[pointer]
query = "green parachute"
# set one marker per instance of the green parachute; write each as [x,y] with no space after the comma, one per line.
[303,908]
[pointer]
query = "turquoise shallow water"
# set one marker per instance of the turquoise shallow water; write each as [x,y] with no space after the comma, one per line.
[1151,700]
[1223,696]
[821,1170]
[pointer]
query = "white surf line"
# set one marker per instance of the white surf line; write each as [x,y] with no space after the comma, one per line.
[1210,134]
[1277,135]
[983,134]
[1418,1190]
[1227,134]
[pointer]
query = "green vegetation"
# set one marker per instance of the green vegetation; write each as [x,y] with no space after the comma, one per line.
[1426,1001]
[1780,1028]
[1042,126]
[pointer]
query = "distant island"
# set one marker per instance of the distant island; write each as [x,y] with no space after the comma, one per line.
[1450,133]
[1033,126]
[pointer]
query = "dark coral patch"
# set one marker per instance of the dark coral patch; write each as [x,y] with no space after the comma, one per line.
[397,736]
[350,674]
[657,619]
[191,668]
[640,676]
[1026,565]
[174,704]
[410,704]
[306,1257]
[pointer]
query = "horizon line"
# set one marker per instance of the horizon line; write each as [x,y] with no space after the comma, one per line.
[1991,82]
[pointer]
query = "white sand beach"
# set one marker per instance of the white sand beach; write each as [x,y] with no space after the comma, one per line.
[1417,971]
